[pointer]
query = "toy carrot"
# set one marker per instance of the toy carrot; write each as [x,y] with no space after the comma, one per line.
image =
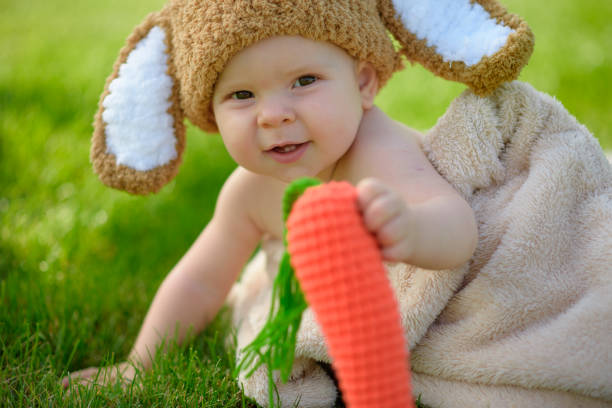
[340,270]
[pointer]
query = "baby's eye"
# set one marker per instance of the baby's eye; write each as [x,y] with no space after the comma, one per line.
[304,81]
[242,95]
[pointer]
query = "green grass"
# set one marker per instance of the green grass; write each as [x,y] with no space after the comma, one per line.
[79,263]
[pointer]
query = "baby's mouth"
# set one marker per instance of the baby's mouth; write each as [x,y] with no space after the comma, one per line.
[286,148]
[288,153]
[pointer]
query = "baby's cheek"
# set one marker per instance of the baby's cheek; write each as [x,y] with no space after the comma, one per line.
[239,149]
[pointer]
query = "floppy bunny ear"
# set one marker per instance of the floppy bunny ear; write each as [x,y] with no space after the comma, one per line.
[476,42]
[139,135]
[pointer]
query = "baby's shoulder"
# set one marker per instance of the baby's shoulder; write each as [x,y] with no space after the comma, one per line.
[380,132]
[381,142]
[260,197]
[247,187]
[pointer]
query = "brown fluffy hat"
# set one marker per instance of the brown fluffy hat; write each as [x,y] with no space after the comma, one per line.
[168,68]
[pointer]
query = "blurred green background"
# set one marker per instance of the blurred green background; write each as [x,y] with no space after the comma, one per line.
[80,263]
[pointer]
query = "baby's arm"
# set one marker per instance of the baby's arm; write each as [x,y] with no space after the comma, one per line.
[438,233]
[417,216]
[195,289]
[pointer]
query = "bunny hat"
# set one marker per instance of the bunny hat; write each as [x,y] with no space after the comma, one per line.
[169,67]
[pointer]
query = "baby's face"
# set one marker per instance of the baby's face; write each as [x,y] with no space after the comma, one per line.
[289,107]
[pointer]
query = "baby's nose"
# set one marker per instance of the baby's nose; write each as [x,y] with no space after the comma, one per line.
[275,112]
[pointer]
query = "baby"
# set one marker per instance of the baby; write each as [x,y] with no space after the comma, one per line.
[293,97]
[289,107]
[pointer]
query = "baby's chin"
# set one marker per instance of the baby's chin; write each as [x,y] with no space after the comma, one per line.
[289,173]
[290,179]
[291,176]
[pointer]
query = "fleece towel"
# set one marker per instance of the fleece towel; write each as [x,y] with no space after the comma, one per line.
[527,322]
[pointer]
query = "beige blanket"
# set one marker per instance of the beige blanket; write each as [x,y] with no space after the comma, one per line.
[528,322]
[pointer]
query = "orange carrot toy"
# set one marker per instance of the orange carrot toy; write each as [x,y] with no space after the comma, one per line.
[339,267]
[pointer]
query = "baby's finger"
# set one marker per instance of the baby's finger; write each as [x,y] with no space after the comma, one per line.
[394,231]
[79,376]
[397,242]
[367,190]
[382,210]
[398,252]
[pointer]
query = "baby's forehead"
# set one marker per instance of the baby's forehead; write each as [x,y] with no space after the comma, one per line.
[295,47]
[287,55]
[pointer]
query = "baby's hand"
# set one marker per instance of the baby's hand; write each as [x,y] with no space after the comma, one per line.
[122,372]
[386,215]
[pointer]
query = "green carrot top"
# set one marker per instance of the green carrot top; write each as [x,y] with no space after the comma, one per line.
[274,346]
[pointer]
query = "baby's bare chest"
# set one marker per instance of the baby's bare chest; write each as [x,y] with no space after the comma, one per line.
[267,210]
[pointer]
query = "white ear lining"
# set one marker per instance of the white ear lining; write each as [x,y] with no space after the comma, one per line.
[458,29]
[138,128]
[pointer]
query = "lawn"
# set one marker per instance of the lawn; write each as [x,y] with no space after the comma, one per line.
[79,263]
